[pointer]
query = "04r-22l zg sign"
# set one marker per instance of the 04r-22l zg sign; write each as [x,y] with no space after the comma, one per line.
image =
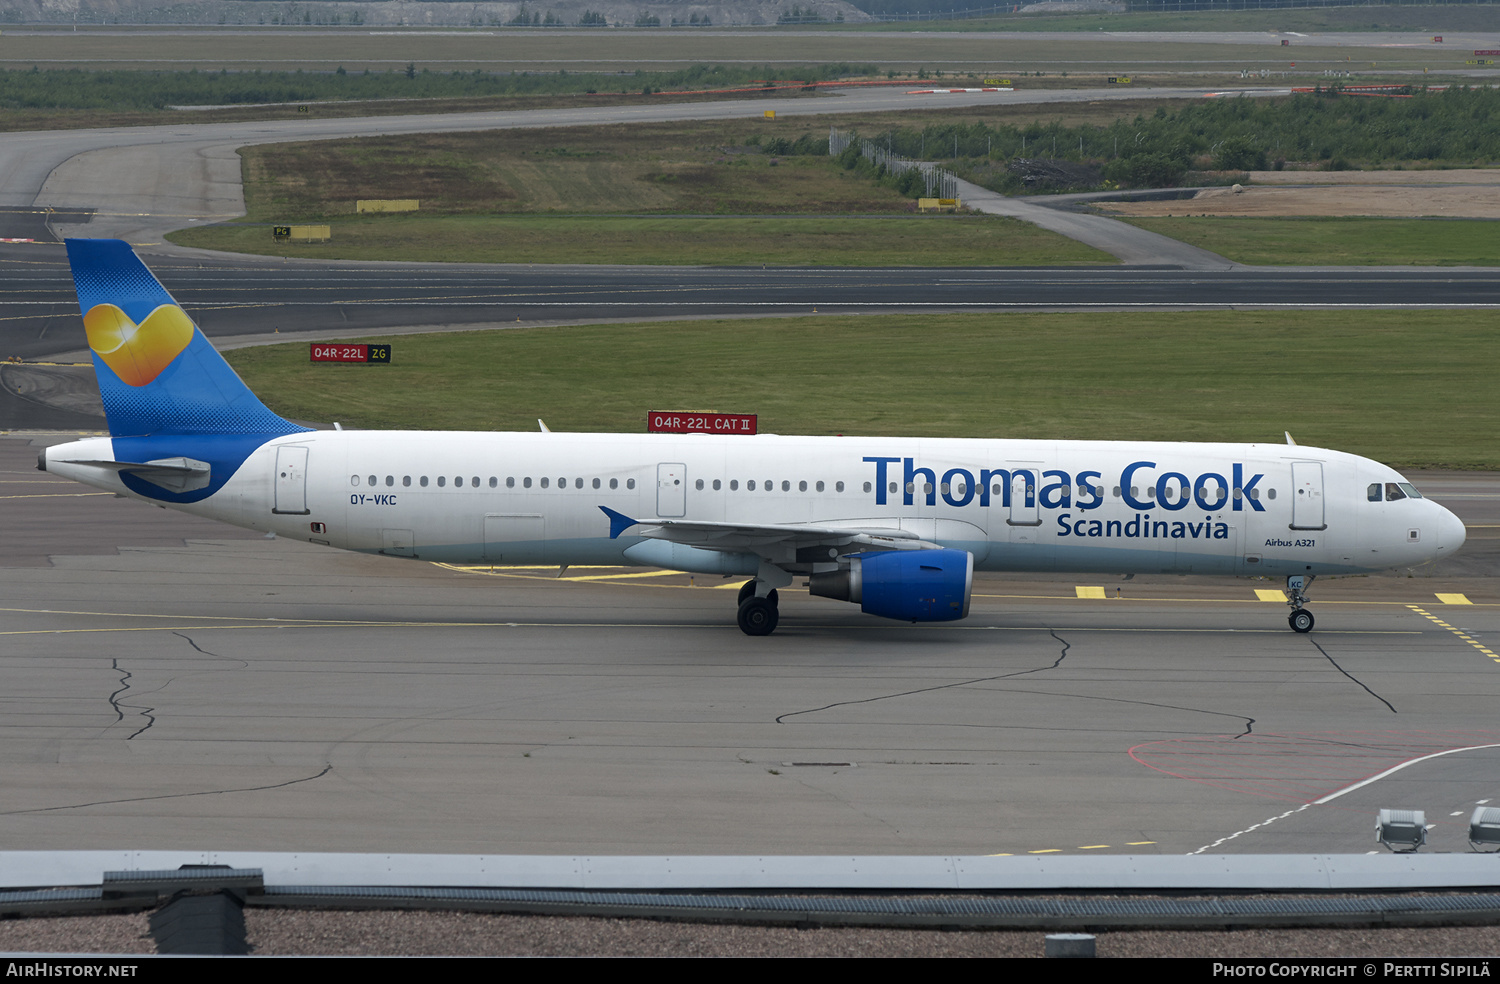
[346,352]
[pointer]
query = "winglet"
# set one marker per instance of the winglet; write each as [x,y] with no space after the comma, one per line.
[618,522]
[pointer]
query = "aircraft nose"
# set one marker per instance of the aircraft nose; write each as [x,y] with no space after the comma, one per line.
[1451,532]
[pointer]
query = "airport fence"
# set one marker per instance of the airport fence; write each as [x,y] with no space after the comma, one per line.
[940,183]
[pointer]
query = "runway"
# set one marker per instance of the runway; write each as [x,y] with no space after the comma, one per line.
[205,688]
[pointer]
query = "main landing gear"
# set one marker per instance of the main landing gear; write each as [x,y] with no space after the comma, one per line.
[1301,620]
[758,616]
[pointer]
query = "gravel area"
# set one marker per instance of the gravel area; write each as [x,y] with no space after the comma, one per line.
[384,933]
[1471,194]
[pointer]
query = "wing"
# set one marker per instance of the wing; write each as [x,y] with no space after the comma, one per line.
[777,543]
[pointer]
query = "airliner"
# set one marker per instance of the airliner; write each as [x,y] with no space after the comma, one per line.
[895,525]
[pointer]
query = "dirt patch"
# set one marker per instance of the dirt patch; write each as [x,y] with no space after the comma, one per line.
[1465,194]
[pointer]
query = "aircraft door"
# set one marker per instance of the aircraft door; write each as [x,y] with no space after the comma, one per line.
[1307,496]
[671,490]
[1023,507]
[291,481]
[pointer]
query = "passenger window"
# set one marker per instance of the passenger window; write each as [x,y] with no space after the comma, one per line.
[596,483]
[1117,491]
[787,486]
[750,485]
[614,483]
[577,483]
[819,486]
[494,482]
[630,483]
[839,487]
[1393,492]
[717,484]
[734,485]
[867,486]
[510,481]
[698,485]
[1270,494]
[458,482]
[526,482]
[945,488]
[390,480]
[354,480]
[442,480]
[406,481]
[424,481]
[544,482]
[372,480]
[802,486]
[476,481]
[770,485]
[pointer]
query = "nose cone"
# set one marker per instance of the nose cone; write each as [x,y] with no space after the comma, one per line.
[1451,533]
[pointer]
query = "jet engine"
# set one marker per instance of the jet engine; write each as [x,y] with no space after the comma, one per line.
[911,585]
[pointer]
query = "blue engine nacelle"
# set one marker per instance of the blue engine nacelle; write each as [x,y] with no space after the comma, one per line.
[911,585]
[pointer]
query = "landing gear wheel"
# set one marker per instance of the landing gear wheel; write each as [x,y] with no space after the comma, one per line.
[1300,620]
[747,590]
[758,617]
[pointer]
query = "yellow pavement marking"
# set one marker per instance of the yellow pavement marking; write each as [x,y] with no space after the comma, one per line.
[1453,599]
[1047,850]
[1138,843]
[1270,594]
[1086,592]
[1092,847]
[1456,631]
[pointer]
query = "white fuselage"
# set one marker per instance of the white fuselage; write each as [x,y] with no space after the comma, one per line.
[522,498]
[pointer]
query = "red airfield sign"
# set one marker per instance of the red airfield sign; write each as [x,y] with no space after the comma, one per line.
[680,422]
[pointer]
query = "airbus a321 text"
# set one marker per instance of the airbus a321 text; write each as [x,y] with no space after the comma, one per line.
[895,525]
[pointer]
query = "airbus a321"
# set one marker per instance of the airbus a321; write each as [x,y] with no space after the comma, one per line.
[895,525]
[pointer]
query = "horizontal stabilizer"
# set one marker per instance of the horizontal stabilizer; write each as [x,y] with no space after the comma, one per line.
[175,474]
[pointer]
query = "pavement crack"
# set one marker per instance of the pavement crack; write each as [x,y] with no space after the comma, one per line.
[781,718]
[1351,676]
[165,796]
[114,701]
[124,686]
[190,642]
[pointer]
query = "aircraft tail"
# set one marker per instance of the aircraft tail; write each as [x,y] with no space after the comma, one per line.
[157,372]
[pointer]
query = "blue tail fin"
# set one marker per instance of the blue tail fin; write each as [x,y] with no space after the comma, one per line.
[157,372]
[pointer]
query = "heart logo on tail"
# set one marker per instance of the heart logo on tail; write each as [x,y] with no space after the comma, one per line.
[138,353]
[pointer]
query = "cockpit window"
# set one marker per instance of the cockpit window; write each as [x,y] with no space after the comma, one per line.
[1393,492]
[1375,493]
[1410,489]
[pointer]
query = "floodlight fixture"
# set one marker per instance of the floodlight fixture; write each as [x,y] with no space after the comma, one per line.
[1402,831]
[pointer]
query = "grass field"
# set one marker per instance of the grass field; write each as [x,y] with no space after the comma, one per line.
[1295,241]
[593,195]
[857,241]
[324,49]
[1408,388]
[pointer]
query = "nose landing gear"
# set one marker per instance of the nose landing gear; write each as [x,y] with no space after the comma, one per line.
[1301,620]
